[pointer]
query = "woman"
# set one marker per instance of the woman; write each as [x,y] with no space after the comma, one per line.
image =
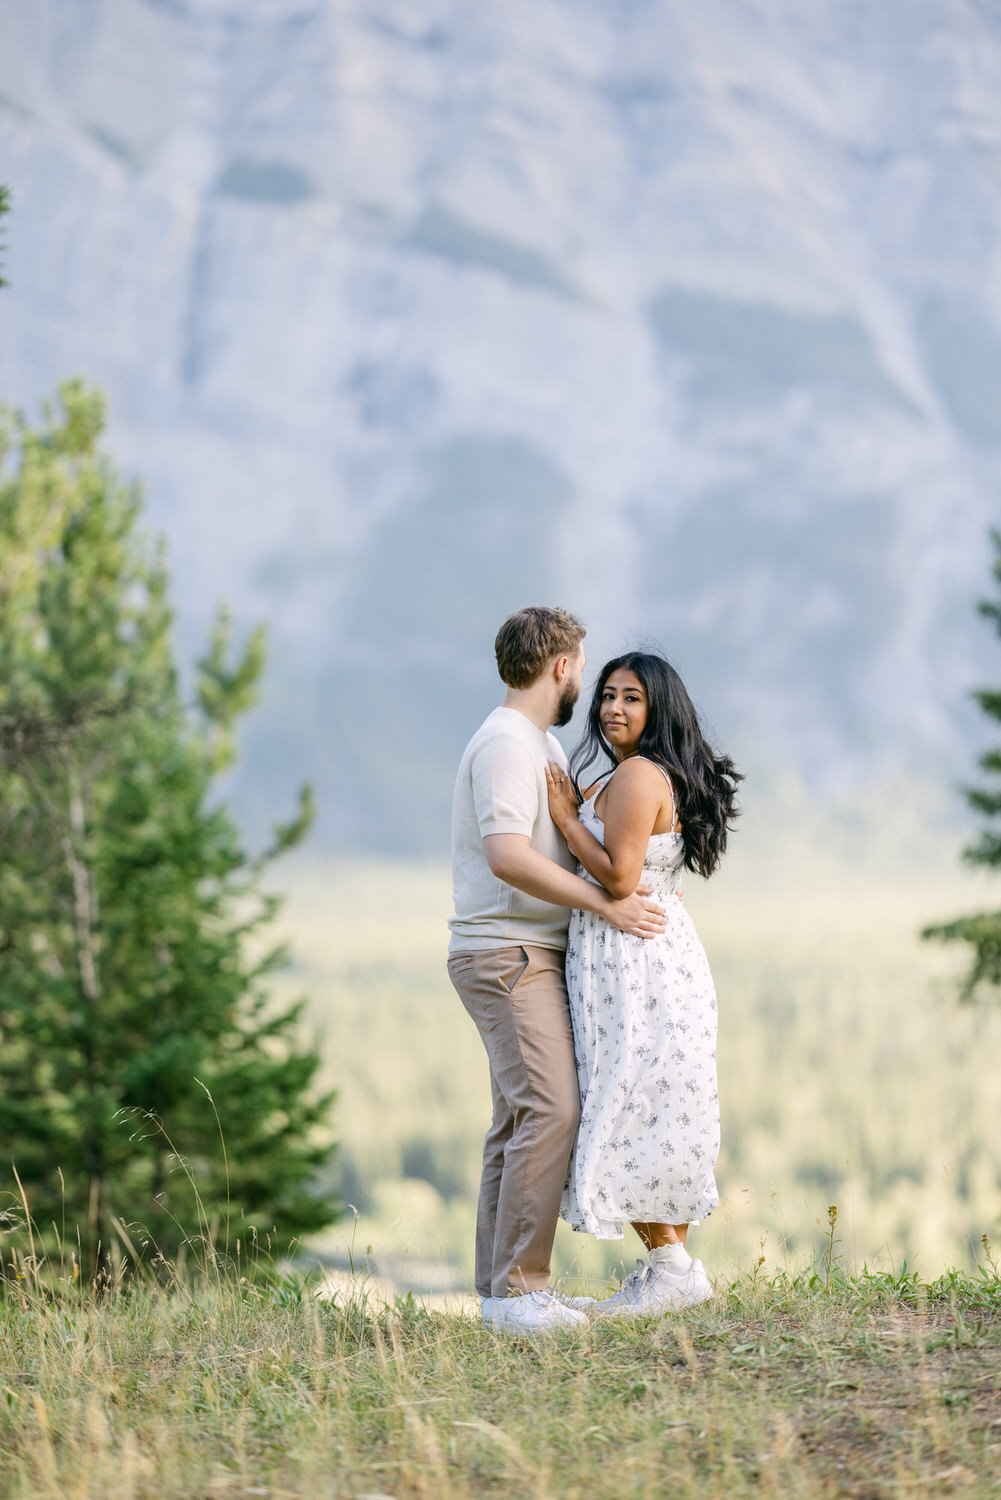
[644,1013]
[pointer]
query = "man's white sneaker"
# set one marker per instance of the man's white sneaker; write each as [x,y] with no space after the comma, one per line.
[535,1312]
[653,1289]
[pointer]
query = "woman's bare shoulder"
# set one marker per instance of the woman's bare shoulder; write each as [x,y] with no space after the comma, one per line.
[634,780]
[637,771]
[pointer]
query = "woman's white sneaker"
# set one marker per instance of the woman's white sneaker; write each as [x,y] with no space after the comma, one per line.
[695,1287]
[651,1290]
[582,1304]
[535,1312]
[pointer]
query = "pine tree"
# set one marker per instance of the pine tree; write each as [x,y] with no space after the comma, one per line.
[133,964]
[982,930]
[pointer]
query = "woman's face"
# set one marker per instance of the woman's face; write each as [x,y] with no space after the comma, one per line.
[622,712]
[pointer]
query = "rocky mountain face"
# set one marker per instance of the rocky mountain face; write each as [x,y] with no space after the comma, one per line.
[411,312]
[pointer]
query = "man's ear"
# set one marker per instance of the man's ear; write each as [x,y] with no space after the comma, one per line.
[560,667]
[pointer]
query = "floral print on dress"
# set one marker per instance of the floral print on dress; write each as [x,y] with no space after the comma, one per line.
[644,1022]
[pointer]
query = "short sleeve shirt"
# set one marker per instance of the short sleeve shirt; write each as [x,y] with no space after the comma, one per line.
[501,788]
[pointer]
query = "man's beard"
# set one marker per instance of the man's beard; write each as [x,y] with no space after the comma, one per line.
[565,706]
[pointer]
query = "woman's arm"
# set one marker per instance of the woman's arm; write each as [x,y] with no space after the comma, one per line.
[512,858]
[633,800]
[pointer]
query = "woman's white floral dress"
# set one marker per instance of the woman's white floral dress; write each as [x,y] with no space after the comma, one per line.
[644,1021]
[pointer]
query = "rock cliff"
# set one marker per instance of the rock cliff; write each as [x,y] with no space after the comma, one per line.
[413,311]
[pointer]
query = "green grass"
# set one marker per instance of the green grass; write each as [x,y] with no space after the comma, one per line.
[874,1387]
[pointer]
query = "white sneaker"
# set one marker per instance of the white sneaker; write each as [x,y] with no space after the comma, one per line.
[653,1289]
[694,1286]
[629,1294]
[535,1312]
[582,1304]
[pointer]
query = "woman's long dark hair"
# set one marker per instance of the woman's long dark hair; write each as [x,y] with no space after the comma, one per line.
[705,784]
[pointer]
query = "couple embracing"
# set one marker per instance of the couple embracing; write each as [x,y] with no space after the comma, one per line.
[574,955]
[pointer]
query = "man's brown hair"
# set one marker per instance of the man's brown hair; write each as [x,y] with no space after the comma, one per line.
[530,638]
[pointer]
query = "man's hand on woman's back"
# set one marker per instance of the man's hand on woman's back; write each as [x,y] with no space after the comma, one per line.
[636,914]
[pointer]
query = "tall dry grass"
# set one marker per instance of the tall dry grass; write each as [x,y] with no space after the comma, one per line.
[218,1390]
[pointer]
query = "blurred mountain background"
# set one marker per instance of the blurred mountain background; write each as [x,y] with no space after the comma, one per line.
[411,312]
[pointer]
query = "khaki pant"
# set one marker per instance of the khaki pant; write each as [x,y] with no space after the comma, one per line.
[518,999]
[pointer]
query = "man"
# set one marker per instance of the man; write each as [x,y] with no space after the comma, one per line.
[513,887]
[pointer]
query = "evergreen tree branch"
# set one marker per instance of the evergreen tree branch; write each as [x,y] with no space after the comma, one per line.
[132,921]
[982,930]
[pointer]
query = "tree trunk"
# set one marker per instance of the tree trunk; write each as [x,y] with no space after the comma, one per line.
[85,917]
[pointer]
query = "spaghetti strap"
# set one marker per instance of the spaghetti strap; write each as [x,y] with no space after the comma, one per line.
[598,788]
[670,783]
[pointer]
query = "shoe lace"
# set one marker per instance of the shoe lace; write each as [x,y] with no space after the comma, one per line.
[634,1282]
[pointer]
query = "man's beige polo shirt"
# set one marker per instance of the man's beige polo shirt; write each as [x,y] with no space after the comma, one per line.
[501,788]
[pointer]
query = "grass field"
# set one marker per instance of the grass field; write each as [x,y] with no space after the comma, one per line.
[853,1355]
[848,1073]
[870,1388]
